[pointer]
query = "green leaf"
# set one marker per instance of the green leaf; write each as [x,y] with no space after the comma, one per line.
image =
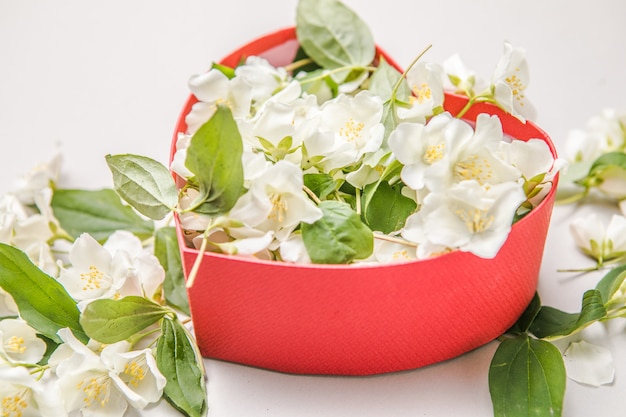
[332,35]
[527,378]
[214,156]
[554,322]
[144,183]
[227,71]
[528,316]
[611,282]
[99,213]
[321,184]
[338,237]
[179,361]
[386,209]
[384,80]
[616,159]
[42,301]
[110,321]
[610,164]
[168,253]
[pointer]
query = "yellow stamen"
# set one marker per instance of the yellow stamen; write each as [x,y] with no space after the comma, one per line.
[14,405]
[352,130]
[517,87]
[421,94]
[16,345]
[96,390]
[136,371]
[473,168]
[434,153]
[93,279]
[279,208]
[476,220]
[400,254]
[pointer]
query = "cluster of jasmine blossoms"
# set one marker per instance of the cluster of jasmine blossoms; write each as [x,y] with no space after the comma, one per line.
[93,379]
[376,141]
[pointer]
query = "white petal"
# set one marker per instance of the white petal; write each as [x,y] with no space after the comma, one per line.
[589,364]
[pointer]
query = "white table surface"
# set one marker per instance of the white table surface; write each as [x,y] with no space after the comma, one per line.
[110,77]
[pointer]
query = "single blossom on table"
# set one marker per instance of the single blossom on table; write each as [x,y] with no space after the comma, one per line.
[604,243]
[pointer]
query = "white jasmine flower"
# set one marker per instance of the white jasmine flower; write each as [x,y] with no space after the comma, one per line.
[241,241]
[135,374]
[419,147]
[589,364]
[19,342]
[272,132]
[532,157]
[28,229]
[392,252]
[264,79]
[581,146]
[603,133]
[509,82]
[612,182]
[597,241]
[426,82]
[275,202]
[474,158]
[180,156]
[462,78]
[117,269]
[21,395]
[536,163]
[85,382]
[41,177]
[293,250]
[213,88]
[104,385]
[467,216]
[350,127]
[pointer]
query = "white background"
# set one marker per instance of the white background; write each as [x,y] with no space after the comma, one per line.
[110,77]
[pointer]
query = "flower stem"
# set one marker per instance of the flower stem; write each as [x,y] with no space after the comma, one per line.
[411,65]
[311,194]
[393,239]
[298,64]
[196,265]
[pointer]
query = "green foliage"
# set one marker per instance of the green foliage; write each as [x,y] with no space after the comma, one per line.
[42,301]
[144,183]
[527,378]
[553,322]
[332,35]
[168,253]
[214,157]
[387,209]
[339,237]
[110,321]
[99,213]
[180,362]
